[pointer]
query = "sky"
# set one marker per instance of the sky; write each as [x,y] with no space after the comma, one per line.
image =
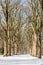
[2,16]
[22,1]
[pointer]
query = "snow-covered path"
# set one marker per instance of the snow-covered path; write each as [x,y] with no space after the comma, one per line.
[20,60]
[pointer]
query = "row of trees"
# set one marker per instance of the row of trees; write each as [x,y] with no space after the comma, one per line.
[22,27]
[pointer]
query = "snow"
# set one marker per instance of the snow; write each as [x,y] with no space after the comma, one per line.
[18,57]
[21,60]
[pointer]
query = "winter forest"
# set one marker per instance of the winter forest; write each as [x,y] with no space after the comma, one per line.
[21,27]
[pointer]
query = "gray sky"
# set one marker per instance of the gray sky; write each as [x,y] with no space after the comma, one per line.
[2,15]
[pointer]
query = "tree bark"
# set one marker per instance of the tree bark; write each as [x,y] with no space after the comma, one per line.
[6,43]
[39,40]
[34,44]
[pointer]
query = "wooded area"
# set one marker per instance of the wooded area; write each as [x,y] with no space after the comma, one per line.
[21,27]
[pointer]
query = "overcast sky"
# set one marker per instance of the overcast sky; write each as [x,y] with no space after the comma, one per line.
[22,2]
[2,16]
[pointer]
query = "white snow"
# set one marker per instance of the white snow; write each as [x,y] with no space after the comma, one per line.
[21,60]
[18,57]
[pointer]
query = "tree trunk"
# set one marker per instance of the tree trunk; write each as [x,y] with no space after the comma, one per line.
[5,48]
[6,43]
[39,41]
[12,46]
[34,44]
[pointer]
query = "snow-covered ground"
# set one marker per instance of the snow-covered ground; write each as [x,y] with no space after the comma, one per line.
[20,60]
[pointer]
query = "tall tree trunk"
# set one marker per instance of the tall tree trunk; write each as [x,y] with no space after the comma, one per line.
[39,32]
[39,40]
[5,49]
[7,45]
[39,47]
[12,46]
[34,44]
